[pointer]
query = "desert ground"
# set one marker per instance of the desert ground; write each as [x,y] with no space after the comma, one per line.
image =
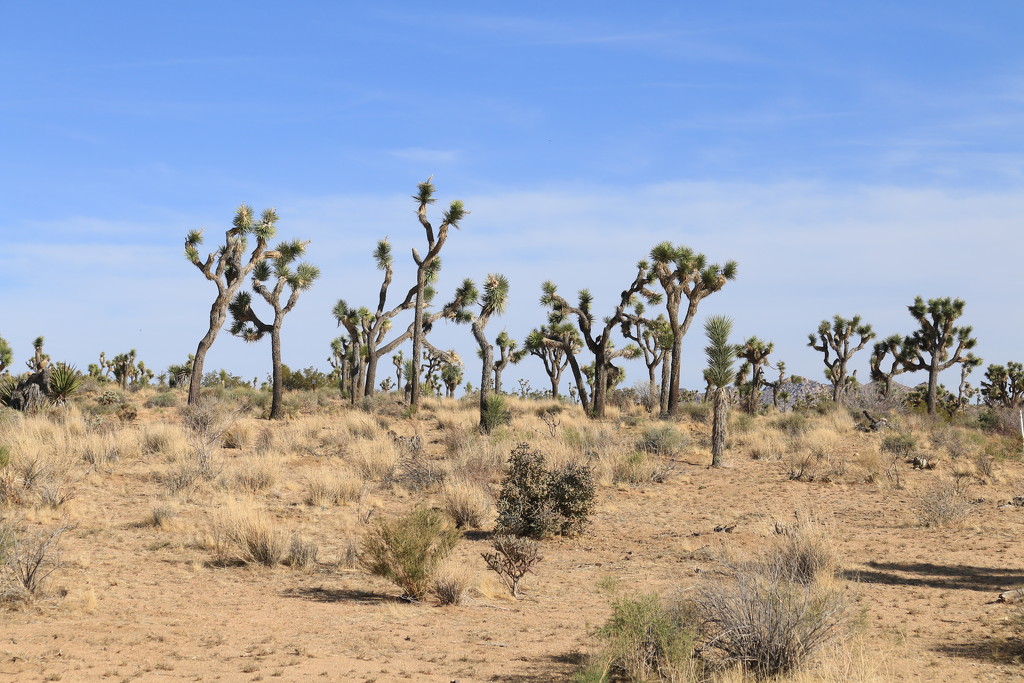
[149,582]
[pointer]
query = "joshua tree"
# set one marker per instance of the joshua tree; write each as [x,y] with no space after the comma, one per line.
[684,273]
[227,270]
[835,338]
[754,353]
[398,360]
[599,341]
[39,360]
[492,301]
[928,348]
[451,375]
[555,343]
[338,360]
[1004,386]
[507,353]
[654,338]
[180,374]
[719,374]
[777,384]
[6,355]
[892,346]
[425,265]
[269,278]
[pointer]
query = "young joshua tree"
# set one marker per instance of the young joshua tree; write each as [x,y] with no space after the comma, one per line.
[684,273]
[836,339]
[493,301]
[39,360]
[1004,386]
[719,374]
[754,353]
[6,356]
[507,354]
[555,344]
[598,340]
[893,347]
[654,339]
[270,276]
[227,268]
[427,264]
[928,347]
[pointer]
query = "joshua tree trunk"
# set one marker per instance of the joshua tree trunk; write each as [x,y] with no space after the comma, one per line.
[277,402]
[218,316]
[718,426]
[486,377]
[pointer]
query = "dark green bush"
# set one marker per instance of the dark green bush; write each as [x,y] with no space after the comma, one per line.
[538,502]
[902,444]
[163,399]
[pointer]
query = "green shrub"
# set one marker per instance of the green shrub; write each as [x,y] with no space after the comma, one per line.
[408,550]
[792,424]
[661,440]
[164,399]
[643,641]
[902,444]
[494,414]
[538,502]
[65,381]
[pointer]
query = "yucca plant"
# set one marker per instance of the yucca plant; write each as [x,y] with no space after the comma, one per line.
[719,373]
[65,380]
[7,386]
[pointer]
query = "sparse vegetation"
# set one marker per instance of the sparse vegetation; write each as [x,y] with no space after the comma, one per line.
[408,550]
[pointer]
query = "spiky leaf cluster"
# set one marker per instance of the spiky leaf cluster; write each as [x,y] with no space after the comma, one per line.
[719,353]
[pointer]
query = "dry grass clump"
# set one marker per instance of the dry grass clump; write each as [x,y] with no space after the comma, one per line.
[302,553]
[452,583]
[943,504]
[803,549]
[375,460]
[162,439]
[237,436]
[242,533]
[767,445]
[326,487]
[254,475]
[162,516]
[27,559]
[467,502]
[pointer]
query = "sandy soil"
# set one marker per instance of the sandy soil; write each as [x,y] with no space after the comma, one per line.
[137,602]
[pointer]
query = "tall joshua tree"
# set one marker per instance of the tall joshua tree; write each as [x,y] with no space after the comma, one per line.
[492,301]
[928,347]
[555,344]
[599,340]
[684,273]
[427,264]
[227,268]
[836,339]
[719,374]
[270,276]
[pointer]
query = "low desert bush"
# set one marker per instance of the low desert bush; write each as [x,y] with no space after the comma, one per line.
[943,504]
[27,559]
[538,502]
[245,534]
[513,558]
[644,641]
[408,550]
[452,583]
[901,445]
[640,467]
[763,621]
[302,554]
[254,475]
[325,487]
[661,440]
[466,502]
[162,399]
[803,550]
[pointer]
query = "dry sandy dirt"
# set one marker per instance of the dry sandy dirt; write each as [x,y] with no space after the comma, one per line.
[139,602]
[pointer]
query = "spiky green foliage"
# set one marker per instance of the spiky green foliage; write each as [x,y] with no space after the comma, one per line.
[6,355]
[754,353]
[39,360]
[65,381]
[719,353]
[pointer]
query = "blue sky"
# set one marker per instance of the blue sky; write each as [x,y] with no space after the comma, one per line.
[849,155]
